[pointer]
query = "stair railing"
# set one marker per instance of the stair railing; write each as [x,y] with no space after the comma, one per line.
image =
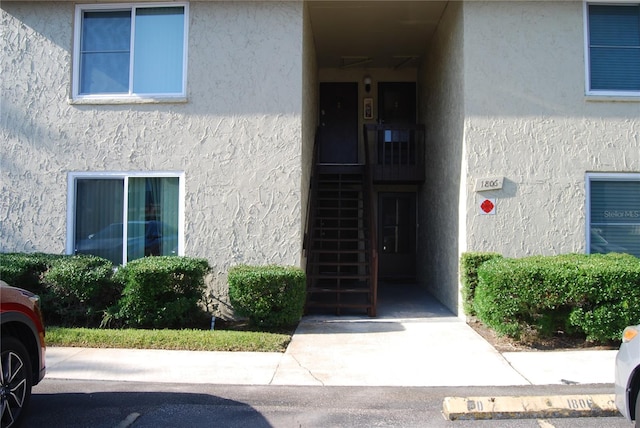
[308,227]
[398,152]
[373,241]
[307,240]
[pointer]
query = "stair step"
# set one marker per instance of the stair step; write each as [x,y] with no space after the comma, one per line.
[318,290]
[328,272]
[339,240]
[365,306]
[337,249]
[333,246]
[337,229]
[350,207]
[329,169]
[342,251]
[329,218]
[347,200]
[340,276]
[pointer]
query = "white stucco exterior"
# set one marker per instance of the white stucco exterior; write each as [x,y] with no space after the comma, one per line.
[503,95]
[501,91]
[442,100]
[527,119]
[237,138]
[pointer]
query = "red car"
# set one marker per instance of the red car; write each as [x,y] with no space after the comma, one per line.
[22,350]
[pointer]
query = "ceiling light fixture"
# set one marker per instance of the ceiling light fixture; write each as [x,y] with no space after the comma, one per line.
[367,83]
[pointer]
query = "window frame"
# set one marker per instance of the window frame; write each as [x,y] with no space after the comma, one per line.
[130,96]
[73,178]
[602,176]
[622,94]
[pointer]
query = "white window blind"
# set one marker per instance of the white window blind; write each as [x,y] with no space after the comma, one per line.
[614,216]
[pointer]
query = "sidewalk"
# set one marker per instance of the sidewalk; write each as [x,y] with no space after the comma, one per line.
[416,344]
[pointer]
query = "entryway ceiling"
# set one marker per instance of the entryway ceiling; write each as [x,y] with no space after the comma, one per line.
[373,33]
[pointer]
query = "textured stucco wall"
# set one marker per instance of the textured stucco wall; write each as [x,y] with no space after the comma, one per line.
[528,120]
[309,116]
[237,138]
[442,104]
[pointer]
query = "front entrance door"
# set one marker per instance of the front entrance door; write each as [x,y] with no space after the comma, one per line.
[397,103]
[338,123]
[397,235]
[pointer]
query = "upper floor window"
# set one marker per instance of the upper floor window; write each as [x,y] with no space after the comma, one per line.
[613,49]
[130,51]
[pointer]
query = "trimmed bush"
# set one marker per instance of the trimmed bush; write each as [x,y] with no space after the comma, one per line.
[161,292]
[269,296]
[595,295]
[78,290]
[25,270]
[469,264]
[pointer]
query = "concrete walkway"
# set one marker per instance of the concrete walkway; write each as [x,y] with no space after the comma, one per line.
[416,342]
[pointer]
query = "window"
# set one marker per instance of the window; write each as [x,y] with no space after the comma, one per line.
[130,51]
[613,213]
[124,217]
[613,48]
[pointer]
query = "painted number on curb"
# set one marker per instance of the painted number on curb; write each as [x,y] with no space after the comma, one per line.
[574,403]
[475,405]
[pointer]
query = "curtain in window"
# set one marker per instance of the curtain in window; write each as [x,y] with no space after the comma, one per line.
[158,50]
[614,47]
[136,217]
[99,212]
[153,217]
[105,52]
[615,217]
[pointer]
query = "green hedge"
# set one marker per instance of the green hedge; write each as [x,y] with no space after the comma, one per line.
[83,291]
[78,290]
[595,295]
[161,292]
[269,296]
[26,270]
[469,264]
[73,290]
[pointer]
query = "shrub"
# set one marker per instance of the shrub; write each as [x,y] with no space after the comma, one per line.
[269,296]
[25,270]
[591,294]
[78,290]
[469,264]
[606,300]
[161,292]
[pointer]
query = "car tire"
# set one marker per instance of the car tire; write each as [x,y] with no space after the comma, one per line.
[15,381]
[637,421]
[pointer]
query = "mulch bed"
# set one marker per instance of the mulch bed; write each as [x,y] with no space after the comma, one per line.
[558,342]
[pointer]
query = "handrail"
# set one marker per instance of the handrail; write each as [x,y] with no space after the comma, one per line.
[310,198]
[308,229]
[373,241]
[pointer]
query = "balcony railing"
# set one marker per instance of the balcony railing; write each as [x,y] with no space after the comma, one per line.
[397,152]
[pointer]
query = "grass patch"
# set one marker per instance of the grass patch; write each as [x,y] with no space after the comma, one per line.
[189,340]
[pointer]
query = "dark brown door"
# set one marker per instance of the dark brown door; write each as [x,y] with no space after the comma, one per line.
[397,235]
[338,123]
[397,103]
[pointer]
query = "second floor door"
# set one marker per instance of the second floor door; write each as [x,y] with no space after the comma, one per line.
[397,103]
[339,123]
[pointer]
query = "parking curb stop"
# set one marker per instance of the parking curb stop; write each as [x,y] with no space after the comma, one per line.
[529,407]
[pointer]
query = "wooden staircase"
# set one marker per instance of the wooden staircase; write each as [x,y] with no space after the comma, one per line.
[341,266]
